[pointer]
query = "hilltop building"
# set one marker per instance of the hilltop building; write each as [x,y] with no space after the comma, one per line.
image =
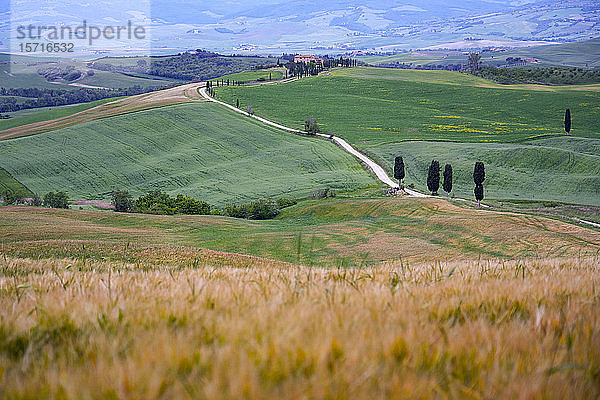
[307,59]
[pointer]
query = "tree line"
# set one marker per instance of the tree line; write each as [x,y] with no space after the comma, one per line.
[59,97]
[190,66]
[542,76]
[158,202]
[433,178]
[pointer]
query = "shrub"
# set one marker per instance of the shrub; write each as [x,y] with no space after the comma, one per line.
[259,210]
[10,197]
[122,201]
[311,126]
[159,202]
[282,202]
[156,202]
[56,199]
[36,201]
[191,206]
[322,194]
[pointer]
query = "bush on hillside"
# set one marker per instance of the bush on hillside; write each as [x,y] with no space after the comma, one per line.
[322,194]
[282,202]
[259,210]
[158,202]
[311,126]
[122,200]
[10,197]
[56,200]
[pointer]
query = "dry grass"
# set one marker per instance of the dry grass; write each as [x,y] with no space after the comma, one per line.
[146,101]
[75,329]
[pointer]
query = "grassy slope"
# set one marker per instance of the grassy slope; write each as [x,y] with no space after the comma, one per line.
[381,111]
[348,232]
[8,182]
[585,54]
[556,170]
[377,106]
[199,149]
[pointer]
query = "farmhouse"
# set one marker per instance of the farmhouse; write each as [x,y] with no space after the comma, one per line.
[307,59]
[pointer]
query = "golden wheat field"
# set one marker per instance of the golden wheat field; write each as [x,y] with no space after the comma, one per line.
[73,329]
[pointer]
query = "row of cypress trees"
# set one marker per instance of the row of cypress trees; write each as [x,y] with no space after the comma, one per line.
[433,177]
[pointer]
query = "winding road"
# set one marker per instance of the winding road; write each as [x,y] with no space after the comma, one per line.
[372,165]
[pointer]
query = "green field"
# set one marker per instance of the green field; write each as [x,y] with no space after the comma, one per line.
[334,232]
[515,130]
[251,76]
[198,149]
[375,106]
[8,182]
[561,169]
[30,116]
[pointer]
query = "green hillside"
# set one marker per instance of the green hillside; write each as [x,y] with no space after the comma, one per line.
[198,149]
[564,170]
[585,54]
[332,232]
[253,75]
[516,130]
[22,72]
[8,182]
[374,106]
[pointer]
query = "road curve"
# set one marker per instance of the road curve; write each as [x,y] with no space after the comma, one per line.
[372,165]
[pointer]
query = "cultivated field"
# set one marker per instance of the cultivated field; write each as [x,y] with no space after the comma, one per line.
[557,169]
[212,329]
[333,232]
[377,106]
[112,107]
[33,115]
[198,149]
[455,118]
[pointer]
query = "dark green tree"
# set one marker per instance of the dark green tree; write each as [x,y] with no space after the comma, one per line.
[447,184]
[433,177]
[311,126]
[122,200]
[399,172]
[56,200]
[10,197]
[478,194]
[478,178]
[474,60]
[568,121]
[479,173]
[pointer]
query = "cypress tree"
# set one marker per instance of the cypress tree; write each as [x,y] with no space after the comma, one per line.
[479,173]
[568,121]
[399,172]
[478,194]
[447,185]
[478,178]
[433,177]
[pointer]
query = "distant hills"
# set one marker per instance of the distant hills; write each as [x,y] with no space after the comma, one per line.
[333,26]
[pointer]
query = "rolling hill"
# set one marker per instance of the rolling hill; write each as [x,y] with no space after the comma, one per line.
[462,119]
[343,232]
[199,149]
